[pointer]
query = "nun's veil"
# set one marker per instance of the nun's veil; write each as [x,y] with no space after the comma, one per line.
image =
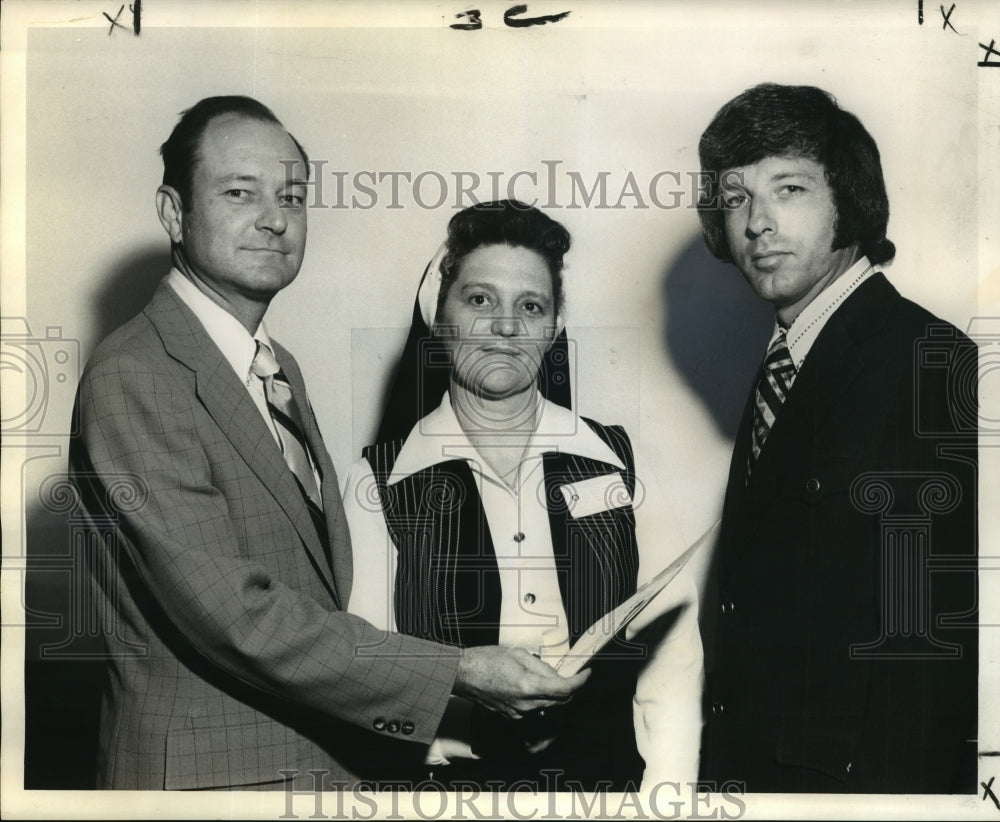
[423,372]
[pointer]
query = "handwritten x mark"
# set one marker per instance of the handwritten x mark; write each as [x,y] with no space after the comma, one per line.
[114,22]
[988,791]
[947,19]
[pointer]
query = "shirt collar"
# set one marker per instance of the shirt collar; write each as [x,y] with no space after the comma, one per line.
[228,333]
[439,437]
[805,328]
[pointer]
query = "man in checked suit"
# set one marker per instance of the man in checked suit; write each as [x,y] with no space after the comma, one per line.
[222,572]
[842,641]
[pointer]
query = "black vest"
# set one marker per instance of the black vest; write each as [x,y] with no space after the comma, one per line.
[448,590]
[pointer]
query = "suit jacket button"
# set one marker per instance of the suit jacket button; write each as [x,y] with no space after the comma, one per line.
[392,726]
[408,728]
[379,724]
[812,485]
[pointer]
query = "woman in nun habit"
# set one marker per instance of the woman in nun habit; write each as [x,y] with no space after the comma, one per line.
[489,513]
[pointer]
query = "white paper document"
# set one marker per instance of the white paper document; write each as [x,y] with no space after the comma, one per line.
[601,632]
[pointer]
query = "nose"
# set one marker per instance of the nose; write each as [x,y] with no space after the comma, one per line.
[272,218]
[760,219]
[506,326]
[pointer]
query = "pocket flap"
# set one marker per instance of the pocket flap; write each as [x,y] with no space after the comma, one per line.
[595,495]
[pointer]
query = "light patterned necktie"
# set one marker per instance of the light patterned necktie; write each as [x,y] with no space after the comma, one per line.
[287,421]
[775,382]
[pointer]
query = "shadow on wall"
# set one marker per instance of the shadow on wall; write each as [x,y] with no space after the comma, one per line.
[127,288]
[63,672]
[716,332]
[63,675]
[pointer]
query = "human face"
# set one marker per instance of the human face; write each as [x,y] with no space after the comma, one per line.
[780,221]
[243,234]
[503,312]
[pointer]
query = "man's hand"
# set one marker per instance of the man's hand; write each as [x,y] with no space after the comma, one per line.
[511,681]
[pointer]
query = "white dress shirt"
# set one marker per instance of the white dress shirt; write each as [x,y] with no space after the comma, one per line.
[667,709]
[805,328]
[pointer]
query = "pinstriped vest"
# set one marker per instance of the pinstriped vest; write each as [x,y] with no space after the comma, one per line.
[447,581]
[448,590]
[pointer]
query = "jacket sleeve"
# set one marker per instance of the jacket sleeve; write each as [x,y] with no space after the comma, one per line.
[230,604]
[667,706]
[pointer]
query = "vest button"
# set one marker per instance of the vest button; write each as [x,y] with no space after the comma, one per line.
[812,485]
[529,598]
[518,537]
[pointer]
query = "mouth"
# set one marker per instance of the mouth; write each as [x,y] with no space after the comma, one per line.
[268,250]
[506,350]
[766,260]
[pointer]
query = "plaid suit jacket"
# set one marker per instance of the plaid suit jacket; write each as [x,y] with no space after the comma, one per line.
[230,658]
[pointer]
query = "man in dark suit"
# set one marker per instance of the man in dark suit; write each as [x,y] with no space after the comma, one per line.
[220,554]
[843,639]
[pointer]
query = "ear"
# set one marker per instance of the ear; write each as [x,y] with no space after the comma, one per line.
[170,210]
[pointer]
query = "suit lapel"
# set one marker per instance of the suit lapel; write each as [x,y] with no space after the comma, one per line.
[827,374]
[230,405]
[340,559]
[834,363]
[830,370]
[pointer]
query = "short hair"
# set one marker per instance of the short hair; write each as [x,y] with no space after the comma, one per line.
[180,151]
[505,222]
[771,120]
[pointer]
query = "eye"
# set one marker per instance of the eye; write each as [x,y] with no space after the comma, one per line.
[734,199]
[790,190]
[531,307]
[479,300]
[291,201]
[237,194]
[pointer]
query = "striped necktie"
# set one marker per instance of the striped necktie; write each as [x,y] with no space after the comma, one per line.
[776,380]
[287,421]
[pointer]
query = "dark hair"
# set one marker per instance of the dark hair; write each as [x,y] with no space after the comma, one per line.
[771,120]
[180,151]
[505,222]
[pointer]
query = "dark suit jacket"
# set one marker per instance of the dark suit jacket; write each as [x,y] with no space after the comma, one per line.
[230,657]
[844,644]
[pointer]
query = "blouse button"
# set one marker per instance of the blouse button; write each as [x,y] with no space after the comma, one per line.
[529,598]
[518,537]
